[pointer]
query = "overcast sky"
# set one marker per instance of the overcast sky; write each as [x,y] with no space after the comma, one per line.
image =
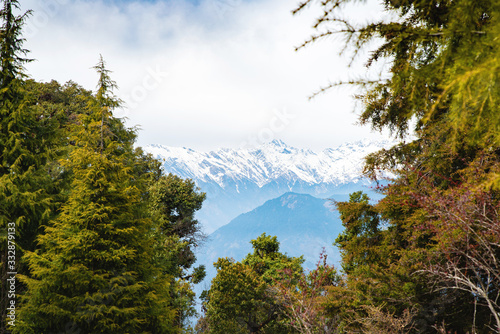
[203,73]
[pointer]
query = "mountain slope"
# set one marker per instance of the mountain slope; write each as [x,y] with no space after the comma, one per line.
[303,224]
[237,181]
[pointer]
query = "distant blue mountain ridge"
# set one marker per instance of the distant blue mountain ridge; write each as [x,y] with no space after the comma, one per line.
[274,189]
[304,225]
[239,180]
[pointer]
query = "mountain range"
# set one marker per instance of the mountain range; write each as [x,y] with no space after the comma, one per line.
[238,180]
[304,225]
[296,219]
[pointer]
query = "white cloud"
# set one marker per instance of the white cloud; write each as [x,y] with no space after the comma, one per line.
[231,64]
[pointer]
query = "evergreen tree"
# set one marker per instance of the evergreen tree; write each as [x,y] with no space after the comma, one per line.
[27,144]
[242,298]
[18,159]
[11,50]
[173,203]
[361,233]
[93,271]
[443,80]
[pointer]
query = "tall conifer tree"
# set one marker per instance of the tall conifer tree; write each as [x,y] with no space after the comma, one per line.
[93,273]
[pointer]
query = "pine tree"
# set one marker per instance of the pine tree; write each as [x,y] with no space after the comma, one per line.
[93,272]
[17,123]
[11,50]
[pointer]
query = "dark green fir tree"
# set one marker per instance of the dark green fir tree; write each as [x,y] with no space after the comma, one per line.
[173,203]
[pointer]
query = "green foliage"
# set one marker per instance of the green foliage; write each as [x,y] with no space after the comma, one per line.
[173,203]
[92,272]
[268,262]
[242,299]
[441,85]
[11,51]
[22,154]
[103,239]
[361,233]
[442,58]
[28,143]
[303,298]
[238,299]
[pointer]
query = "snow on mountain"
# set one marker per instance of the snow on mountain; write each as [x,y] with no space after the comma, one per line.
[239,180]
[273,161]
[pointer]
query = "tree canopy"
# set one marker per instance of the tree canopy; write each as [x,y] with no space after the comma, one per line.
[422,254]
[103,241]
[89,250]
[241,298]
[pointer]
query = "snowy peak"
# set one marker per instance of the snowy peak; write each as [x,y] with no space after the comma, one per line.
[239,180]
[277,143]
[272,162]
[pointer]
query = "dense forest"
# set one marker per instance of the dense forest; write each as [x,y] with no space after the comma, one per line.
[97,239]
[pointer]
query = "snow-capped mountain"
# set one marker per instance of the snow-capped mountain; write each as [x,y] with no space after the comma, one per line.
[271,162]
[238,180]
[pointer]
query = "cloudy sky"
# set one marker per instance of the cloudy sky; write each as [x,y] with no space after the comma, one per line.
[204,73]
